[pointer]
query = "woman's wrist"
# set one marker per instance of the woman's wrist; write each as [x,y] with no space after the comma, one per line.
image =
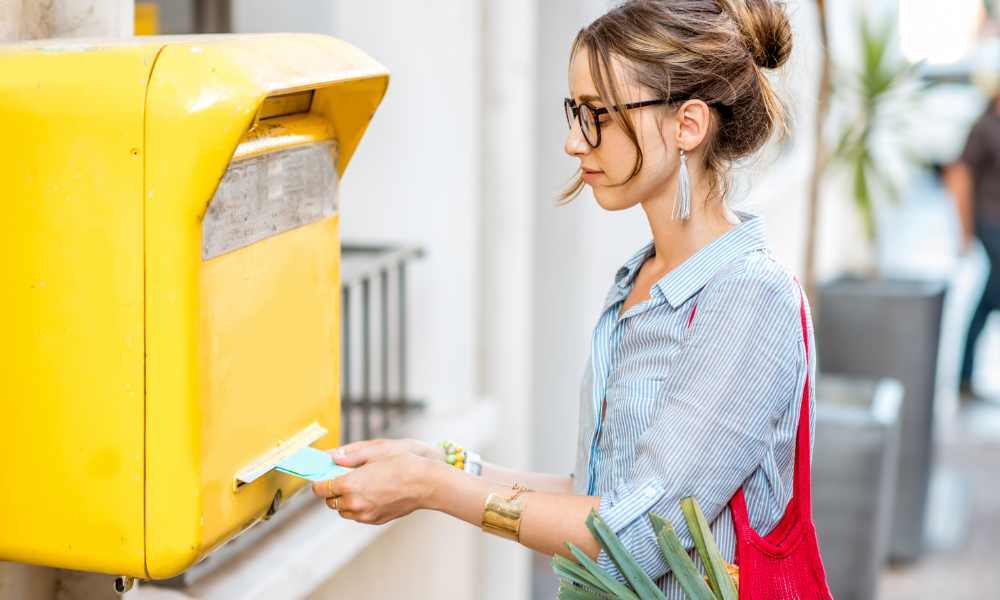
[425,449]
[434,477]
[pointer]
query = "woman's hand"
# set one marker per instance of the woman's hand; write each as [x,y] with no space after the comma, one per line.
[385,488]
[360,453]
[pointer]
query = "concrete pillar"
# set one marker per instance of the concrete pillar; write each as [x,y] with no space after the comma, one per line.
[37,19]
[506,312]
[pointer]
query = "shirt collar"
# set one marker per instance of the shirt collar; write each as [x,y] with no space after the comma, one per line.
[626,274]
[689,277]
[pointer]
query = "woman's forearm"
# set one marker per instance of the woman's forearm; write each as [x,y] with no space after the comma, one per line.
[542,482]
[548,520]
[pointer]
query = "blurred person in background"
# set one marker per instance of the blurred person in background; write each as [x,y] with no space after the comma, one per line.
[974,181]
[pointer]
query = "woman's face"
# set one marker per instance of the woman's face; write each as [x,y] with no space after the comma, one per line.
[613,160]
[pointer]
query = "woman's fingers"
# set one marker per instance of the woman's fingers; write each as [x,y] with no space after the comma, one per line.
[349,508]
[352,447]
[331,487]
[383,490]
[359,453]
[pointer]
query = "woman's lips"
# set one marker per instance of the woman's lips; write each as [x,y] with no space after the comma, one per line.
[589,175]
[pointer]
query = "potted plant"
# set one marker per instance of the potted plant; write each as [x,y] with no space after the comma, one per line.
[870,323]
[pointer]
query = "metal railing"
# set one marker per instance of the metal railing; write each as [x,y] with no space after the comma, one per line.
[373,334]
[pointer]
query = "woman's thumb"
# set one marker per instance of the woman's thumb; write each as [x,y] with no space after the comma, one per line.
[346,456]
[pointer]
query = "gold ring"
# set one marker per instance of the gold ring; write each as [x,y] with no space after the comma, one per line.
[336,503]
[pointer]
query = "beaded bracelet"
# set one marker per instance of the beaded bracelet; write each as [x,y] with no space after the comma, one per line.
[460,458]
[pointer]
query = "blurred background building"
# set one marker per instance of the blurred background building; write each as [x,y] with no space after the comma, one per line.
[464,161]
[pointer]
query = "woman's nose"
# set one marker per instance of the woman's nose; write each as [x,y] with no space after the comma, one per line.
[575,144]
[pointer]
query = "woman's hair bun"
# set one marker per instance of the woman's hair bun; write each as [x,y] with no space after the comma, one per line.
[767,31]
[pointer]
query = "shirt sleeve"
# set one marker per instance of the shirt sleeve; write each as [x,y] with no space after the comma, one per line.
[733,379]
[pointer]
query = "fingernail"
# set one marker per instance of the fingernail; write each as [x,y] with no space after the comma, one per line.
[339,452]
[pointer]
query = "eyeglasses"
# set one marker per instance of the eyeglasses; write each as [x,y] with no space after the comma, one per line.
[587,116]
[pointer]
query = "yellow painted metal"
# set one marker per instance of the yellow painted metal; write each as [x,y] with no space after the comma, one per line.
[126,465]
[71,271]
[285,104]
[271,135]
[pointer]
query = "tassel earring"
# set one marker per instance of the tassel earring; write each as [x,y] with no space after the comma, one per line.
[682,204]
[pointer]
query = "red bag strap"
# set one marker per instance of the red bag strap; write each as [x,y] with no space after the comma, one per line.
[803,448]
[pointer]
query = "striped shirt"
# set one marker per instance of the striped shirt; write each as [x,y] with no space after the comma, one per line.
[694,407]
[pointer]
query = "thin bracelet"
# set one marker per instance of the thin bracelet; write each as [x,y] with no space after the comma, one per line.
[518,490]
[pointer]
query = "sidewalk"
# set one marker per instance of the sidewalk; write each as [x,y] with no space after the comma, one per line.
[961,560]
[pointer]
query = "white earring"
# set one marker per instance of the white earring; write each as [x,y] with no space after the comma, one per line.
[682,204]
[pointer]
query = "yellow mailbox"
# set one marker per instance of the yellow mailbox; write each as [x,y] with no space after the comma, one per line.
[170,287]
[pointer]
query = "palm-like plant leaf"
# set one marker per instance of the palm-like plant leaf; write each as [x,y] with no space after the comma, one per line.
[638,579]
[608,582]
[587,581]
[708,550]
[685,571]
[569,591]
[882,84]
[574,573]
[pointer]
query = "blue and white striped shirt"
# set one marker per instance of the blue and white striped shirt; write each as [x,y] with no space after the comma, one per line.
[694,411]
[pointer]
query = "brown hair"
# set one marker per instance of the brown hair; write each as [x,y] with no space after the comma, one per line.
[712,50]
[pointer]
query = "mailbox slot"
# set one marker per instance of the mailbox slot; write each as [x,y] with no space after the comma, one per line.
[268,460]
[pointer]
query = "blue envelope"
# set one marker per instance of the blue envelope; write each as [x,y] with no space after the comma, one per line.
[312,464]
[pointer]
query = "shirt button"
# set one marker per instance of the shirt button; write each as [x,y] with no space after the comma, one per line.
[650,493]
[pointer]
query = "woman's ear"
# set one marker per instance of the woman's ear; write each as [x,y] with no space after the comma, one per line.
[693,119]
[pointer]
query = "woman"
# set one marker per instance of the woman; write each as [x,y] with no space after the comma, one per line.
[699,369]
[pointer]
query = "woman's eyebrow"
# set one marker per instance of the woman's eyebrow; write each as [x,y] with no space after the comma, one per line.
[589,98]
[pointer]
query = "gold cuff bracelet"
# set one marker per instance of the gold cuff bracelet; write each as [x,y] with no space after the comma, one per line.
[502,517]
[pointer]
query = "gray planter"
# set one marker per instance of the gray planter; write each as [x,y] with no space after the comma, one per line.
[854,472]
[890,328]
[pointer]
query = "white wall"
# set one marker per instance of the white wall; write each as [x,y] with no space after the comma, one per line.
[415,176]
[264,16]
[578,248]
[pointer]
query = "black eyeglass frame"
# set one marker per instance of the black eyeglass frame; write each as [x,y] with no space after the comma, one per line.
[570,106]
